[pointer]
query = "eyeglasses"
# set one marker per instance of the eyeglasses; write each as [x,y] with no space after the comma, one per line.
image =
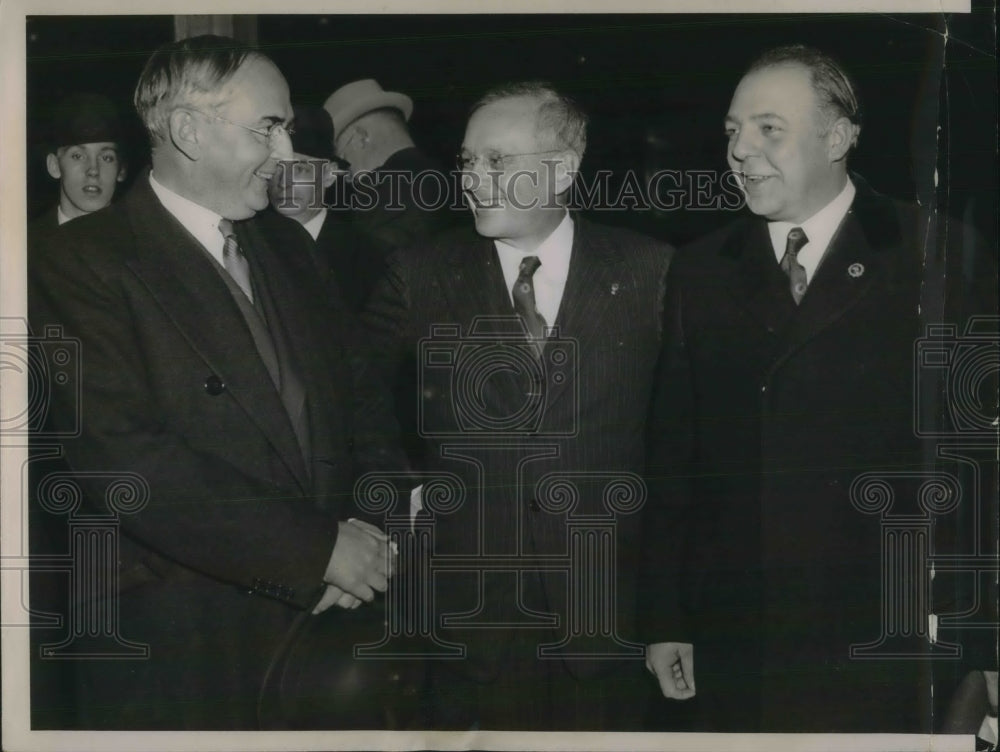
[494,162]
[268,134]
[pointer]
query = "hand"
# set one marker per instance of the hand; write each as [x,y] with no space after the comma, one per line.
[362,560]
[672,663]
[334,596]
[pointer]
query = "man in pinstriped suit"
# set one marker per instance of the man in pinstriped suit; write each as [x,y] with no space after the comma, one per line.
[536,342]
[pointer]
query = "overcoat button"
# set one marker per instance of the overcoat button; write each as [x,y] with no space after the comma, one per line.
[214,385]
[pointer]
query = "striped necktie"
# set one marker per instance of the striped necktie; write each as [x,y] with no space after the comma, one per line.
[233,259]
[523,295]
[790,265]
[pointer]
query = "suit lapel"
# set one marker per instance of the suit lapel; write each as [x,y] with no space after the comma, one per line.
[586,312]
[755,281]
[851,267]
[183,278]
[846,273]
[292,306]
[477,293]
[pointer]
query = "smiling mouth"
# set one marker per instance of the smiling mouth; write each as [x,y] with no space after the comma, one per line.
[265,176]
[750,179]
[94,189]
[477,203]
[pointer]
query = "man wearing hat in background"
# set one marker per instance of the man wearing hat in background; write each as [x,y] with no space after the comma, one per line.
[85,156]
[298,190]
[401,195]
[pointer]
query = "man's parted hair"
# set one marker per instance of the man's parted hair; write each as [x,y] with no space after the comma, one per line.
[834,88]
[192,72]
[558,114]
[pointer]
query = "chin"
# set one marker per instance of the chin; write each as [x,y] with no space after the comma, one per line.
[490,226]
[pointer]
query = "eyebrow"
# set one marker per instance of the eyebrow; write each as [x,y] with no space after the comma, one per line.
[759,116]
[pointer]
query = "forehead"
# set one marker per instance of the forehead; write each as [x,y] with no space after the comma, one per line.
[507,125]
[95,147]
[782,90]
[257,91]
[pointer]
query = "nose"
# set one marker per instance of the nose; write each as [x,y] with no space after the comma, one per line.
[741,145]
[92,168]
[473,177]
[280,144]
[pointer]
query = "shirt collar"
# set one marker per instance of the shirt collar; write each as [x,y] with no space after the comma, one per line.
[201,222]
[61,216]
[819,228]
[314,225]
[554,252]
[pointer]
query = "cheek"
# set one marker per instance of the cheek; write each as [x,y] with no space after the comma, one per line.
[523,189]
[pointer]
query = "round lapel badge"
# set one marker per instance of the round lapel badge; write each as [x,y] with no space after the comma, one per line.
[856,270]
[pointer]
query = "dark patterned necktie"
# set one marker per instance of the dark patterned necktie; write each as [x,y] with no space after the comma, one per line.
[790,265]
[523,295]
[233,259]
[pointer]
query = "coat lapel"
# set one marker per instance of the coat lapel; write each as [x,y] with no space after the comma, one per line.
[477,296]
[586,312]
[183,278]
[320,369]
[851,267]
[756,282]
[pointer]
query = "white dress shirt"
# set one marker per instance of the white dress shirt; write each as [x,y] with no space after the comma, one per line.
[819,229]
[314,225]
[201,222]
[550,278]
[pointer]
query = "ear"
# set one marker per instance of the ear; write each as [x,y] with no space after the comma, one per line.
[839,138]
[184,134]
[330,172]
[122,174]
[566,169]
[52,165]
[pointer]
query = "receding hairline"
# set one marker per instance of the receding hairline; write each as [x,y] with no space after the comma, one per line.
[810,80]
[537,99]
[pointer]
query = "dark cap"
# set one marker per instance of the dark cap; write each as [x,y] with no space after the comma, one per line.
[313,134]
[85,119]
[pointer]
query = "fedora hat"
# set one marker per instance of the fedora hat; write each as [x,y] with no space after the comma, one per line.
[313,133]
[353,100]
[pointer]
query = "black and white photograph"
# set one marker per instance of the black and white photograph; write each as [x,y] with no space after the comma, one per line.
[530,376]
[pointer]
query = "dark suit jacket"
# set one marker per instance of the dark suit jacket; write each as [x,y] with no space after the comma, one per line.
[348,261]
[586,429]
[395,209]
[766,413]
[239,525]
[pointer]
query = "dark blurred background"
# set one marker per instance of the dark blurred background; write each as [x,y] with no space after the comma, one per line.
[657,86]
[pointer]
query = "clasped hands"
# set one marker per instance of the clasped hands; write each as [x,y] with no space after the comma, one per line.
[363,560]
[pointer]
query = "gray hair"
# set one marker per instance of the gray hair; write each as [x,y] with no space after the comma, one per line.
[558,114]
[190,71]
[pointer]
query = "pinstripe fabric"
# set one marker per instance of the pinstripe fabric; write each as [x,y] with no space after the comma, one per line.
[592,420]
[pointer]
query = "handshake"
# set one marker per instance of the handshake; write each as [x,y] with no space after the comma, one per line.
[363,560]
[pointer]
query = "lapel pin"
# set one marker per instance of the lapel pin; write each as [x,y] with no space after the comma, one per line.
[614,288]
[856,270]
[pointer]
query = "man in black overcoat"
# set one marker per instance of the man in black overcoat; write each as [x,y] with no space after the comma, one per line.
[785,415]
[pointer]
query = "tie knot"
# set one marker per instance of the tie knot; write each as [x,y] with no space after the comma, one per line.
[226,228]
[796,239]
[529,265]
